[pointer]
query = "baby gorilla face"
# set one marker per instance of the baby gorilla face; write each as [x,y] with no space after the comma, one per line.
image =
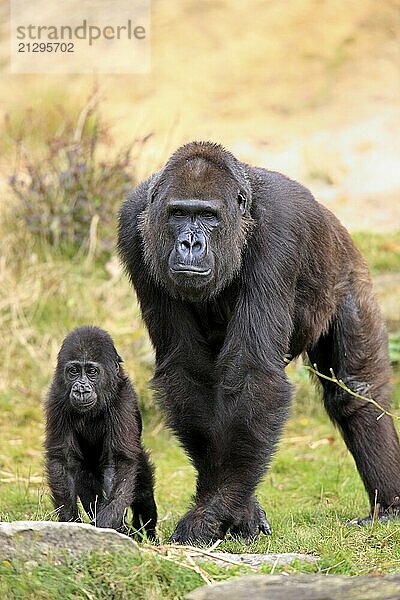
[82,377]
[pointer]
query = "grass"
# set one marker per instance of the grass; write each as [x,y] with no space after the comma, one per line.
[382,251]
[310,492]
[98,576]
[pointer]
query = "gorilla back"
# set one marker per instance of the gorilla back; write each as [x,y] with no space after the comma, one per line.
[235,268]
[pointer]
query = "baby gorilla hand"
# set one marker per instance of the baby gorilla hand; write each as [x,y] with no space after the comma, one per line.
[109,517]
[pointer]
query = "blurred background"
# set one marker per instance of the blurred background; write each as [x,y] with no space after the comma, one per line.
[307,87]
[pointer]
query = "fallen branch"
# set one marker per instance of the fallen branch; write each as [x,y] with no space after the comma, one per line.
[343,386]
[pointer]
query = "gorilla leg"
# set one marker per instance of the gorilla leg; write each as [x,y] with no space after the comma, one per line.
[355,347]
[144,507]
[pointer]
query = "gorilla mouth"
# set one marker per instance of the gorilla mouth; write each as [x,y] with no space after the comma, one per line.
[190,270]
[82,402]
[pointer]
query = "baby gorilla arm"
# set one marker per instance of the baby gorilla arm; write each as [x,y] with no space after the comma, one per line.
[118,485]
[63,489]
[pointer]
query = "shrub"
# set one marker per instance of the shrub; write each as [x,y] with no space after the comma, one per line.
[71,196]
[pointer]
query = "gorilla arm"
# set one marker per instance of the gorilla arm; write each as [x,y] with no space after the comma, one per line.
[61,464]
[119,481]
[120,472]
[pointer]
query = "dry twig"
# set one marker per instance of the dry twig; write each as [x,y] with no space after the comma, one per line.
[341,384]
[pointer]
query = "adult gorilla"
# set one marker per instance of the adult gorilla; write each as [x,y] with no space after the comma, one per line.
[235,268]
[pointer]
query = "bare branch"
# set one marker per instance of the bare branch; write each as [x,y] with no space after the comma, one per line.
[341,384]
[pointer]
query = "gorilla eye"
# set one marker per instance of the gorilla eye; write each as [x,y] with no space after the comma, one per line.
[73,370]
[177,213]
[207,214]
[91,371]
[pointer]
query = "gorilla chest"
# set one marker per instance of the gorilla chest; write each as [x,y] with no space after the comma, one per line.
[212,319]
[91,446]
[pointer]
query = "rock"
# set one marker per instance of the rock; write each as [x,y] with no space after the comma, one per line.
[257,560]
[39,540]
[302,587]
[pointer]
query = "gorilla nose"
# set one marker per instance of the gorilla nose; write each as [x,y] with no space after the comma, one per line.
[191,245]
[84,389]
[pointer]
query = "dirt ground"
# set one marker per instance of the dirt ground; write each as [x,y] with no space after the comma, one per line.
[308,87]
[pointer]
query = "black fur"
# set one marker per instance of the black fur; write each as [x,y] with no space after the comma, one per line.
[226,291]
[93,430]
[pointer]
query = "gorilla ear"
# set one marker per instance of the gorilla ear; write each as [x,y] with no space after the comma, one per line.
[242,202]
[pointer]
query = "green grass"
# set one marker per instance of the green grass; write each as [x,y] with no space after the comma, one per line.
[98,576]
[310,492]
[381,250]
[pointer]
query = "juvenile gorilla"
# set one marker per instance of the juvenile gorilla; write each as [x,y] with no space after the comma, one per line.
[93,429]
[236,269]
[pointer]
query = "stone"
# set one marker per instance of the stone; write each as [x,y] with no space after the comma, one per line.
[42,540]
[256,560]
[304,587]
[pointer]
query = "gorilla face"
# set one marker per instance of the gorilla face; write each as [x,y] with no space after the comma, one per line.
[194,227]
[82,378]
[88,370]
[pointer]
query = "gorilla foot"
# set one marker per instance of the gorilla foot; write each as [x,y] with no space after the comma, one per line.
[382,517]
[199,526]
[253,522]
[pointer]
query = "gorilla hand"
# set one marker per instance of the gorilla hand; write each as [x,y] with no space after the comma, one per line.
[253,522]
